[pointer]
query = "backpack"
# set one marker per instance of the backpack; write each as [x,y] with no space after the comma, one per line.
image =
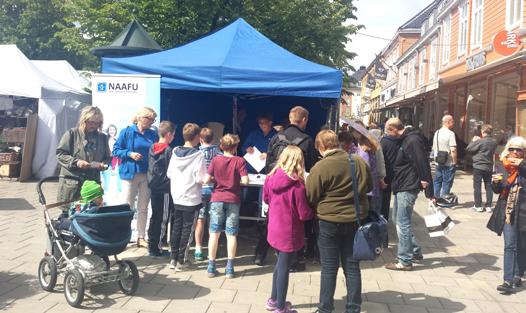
[279,146]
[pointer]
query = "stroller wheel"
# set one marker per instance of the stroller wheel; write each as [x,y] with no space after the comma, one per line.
[129,277]
[47,273]
[74,288]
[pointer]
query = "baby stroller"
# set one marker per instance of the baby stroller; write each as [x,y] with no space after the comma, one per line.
[105,232]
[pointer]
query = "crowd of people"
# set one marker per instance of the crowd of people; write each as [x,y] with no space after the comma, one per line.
[308,187]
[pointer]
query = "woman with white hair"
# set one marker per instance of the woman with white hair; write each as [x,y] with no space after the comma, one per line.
[509,216]
[83,152]
[132,147]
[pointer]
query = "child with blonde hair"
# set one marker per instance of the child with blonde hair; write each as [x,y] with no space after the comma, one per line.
[284,191]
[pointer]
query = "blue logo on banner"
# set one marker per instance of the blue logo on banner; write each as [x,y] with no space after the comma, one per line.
[101,87]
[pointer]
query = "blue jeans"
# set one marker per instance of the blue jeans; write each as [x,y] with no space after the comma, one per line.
[335,242]
[514,252]
[444,176]
[407,245]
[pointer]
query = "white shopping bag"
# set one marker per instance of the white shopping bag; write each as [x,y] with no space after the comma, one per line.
[438,223]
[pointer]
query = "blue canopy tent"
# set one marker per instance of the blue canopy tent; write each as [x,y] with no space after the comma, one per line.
[236,64]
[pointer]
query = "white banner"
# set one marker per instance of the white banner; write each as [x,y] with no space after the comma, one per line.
[119,97]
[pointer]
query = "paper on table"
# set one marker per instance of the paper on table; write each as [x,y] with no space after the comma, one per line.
[254,160]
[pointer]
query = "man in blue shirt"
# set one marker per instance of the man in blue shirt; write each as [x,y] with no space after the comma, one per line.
[260,138]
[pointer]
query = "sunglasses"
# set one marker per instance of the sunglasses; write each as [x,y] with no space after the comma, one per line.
[94,123]
[149,118]
[515,149]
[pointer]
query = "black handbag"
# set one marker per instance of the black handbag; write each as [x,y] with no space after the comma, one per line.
[442,156]
[371,235]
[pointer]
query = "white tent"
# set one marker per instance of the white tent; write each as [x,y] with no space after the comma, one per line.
[59,102]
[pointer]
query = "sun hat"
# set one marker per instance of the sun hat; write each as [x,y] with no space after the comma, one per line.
[91,190]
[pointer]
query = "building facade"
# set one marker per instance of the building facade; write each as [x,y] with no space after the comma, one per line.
[469,61]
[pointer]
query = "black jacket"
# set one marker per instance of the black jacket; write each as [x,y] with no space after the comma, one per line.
[390,147]
[498,216]
[483,152]
[158,160]
[310,154]
[412,164]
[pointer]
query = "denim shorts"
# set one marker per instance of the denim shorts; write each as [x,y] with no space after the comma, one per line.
[224,217]
[204,211]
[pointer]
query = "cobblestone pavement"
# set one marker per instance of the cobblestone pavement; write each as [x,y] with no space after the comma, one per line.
[459,272]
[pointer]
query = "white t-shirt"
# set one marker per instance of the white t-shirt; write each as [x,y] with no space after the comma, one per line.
[446,140]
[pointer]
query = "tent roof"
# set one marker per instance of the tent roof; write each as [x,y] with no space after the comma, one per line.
[133,40]
[62,72]
[236,59]
[20,77]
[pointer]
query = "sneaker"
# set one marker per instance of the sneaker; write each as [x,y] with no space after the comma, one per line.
[398,267]
[517,282]
[229,272]
[259,260]
[489,209]
[199,256]
[505,288]
[211,270]
[159,254]
[417,258]
[271,305]
[179,267]
[478,209]
[141,243]
[173,263]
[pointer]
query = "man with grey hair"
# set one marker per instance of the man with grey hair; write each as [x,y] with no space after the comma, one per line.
[445,153]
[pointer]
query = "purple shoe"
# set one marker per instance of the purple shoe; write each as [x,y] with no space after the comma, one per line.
[271,305]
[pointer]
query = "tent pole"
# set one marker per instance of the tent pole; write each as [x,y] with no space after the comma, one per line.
[234,115]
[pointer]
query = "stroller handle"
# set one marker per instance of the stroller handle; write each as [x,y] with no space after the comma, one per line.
[41,197]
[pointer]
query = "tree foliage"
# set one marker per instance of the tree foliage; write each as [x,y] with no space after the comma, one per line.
[314,29]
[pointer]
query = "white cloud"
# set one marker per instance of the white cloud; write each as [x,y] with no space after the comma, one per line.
[381,18]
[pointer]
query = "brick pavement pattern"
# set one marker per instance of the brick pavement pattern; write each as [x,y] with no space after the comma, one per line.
[459,272]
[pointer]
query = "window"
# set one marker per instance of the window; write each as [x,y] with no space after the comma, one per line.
[411,75]
[513,13]
[462,28]
[477,19]
[504,106]
[422,67]
[446,39]
[433,60]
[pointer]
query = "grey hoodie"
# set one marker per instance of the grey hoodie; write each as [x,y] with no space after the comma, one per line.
[186,172]
[483,152]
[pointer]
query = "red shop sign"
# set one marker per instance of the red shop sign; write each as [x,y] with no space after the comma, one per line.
[506,42]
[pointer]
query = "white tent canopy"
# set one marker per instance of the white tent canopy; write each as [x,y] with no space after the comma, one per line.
[60,99]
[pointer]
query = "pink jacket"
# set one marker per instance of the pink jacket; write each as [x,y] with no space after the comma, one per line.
[288,209]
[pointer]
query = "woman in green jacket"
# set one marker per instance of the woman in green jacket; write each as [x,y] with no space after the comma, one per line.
[83,152]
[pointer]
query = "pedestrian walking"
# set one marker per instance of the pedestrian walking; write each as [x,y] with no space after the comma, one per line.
[483,151]
[412,174]
[284,191]
[509,216]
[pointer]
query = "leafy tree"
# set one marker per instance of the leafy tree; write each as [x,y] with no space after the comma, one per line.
[314,29]
[32,25]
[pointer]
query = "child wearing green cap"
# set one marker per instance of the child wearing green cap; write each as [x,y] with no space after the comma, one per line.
[91,194]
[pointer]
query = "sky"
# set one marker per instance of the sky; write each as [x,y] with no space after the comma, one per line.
[381,18]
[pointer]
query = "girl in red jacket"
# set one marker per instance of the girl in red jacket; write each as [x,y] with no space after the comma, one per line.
[284,191]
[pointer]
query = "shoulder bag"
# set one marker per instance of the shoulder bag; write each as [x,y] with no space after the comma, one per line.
[371,236]
[442,156]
